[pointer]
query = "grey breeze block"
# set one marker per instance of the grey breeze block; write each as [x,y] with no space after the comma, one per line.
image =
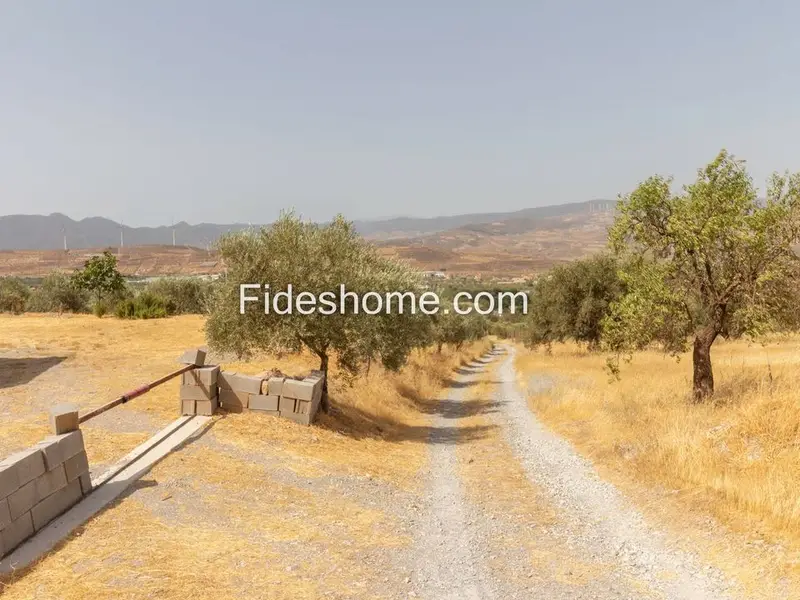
[193,357]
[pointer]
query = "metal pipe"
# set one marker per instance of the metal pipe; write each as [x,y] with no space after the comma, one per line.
[134,393]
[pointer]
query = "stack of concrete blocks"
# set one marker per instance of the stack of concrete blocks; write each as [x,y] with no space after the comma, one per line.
[40,483]
[300,398]
[200,391]
[293,399]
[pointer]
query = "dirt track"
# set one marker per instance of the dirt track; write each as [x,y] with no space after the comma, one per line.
[503,509]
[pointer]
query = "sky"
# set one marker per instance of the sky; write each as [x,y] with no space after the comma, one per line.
[152,111]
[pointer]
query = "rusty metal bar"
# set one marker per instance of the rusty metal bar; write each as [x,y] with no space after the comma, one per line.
[134,393]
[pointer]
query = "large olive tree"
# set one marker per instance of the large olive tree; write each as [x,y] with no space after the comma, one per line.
[314,260]
[710,261]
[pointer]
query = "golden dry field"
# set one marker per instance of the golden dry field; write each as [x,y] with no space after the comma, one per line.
[256,507]
[735,458]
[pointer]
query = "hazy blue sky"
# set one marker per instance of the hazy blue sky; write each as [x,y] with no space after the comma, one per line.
[229,111]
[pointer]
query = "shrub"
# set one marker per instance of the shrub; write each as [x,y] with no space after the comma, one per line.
[183,295]
[144,306]
[100,308]
[58,293]
[14,295]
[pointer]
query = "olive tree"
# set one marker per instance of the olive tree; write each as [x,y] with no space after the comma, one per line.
[571,301]
[710,261]
[315,260]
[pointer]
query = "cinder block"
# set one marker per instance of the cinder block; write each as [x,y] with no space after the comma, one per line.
[317,382]
[303,407]
[188,407]
[259,402]
[64,418]
[29,464]
[233,401]
[23,500]
[198,392]
[275,386]
[206,376]
[297,417]
[250,384]
[9,482]
[58,448]
[193,357]
[86,483]
[224,379]
[286,404]
[207,407]
[300,390]
[5,514]
[56,504]
[50,482]
[76,466]
[16,532]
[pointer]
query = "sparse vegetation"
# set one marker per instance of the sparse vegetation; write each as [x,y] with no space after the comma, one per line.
[14,295]
[182,295]
[57,292]
[145,305]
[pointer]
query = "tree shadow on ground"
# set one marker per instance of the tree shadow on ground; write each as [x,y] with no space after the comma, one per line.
[19,371]
[358,424]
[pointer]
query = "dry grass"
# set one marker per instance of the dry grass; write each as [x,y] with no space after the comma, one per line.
[208,522]
[736,457]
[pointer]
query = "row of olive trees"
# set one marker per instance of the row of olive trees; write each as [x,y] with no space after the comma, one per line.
[685,269]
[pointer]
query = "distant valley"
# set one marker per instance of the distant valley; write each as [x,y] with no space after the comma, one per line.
[514,244]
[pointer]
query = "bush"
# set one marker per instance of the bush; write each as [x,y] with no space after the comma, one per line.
[14,295]
[144,306]
[99,308]
[58,293]
[183,295]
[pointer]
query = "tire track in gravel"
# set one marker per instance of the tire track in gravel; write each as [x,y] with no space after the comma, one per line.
[448,563]
[597,519]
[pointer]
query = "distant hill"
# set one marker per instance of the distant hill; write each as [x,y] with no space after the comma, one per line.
[514,244]
[39,232]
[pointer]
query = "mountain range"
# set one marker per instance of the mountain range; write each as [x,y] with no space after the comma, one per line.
[47,232]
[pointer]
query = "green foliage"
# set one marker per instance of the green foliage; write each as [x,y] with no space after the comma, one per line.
[145,305]
[456,330]
[316,259]
[570,302]
[710,261]
[183,295]
[101,277]
[59,293]
[14,295]
[100,308]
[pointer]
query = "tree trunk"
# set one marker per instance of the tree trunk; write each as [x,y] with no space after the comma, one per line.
[323,366]
[701,359]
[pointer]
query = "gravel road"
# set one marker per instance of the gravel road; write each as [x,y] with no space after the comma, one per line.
[595,523]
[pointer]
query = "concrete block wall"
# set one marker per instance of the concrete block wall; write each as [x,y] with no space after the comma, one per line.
[290,398]
[40,483]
